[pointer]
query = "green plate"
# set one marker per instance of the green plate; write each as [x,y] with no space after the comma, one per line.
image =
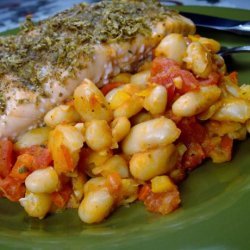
[215,200]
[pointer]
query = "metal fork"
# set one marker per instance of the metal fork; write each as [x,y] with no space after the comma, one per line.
[228,51]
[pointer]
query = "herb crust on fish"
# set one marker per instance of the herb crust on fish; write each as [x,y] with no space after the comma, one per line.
[41,66]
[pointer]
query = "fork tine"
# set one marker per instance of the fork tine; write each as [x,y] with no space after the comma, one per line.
[228,51]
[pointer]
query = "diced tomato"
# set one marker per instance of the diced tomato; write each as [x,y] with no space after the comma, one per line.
[42,156]
[84,154]
[70,102]
[108,87]
[23,167]
[163,203]
[234,77]
[227,143]
[6,157]
[189,81]
[213,79]
[61,197]
[144,192]
[218,148]
[194,156]
[165,79]
[191,131]
[93,100]
[62,157]
[114,182]
[225,149]
[222,150]
[12,188]
[193,135]
[63,160]
[164,71]
[30,159]
[162,64]
[208,145]
[67,158]
[178,174]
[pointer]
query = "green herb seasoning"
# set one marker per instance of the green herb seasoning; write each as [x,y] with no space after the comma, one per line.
[2,103]
[23,170]
[66,41]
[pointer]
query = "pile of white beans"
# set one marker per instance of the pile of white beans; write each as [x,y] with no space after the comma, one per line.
[127,132]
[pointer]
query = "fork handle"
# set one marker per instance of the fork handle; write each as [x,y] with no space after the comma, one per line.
[234,50]
[242,29]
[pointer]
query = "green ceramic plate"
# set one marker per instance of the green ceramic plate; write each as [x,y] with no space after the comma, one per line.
[215,201]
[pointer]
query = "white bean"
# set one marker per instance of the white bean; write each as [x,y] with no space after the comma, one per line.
[111,94]
[80,127]
[233,109]
[156,101]
[120,128]
[71,137]
[36,205]
[114,164]
[118,99]
[141,78]
[234,130]
[121,94]
[61,114]
[37,136]
[42,181]
[245,91]
[172,46]
[195,102]
[130,108]
[90,103]
[95,184]
[199,60]
[95,159]
[98,135]
[65,139]
[150,134]
[78,183]
[229,88]
[210,44]
[143,116]
[154,162]
[122,77]
[96,206]
[132,88]
[129,190]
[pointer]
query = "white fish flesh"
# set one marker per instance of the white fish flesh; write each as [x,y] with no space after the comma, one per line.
[42,65]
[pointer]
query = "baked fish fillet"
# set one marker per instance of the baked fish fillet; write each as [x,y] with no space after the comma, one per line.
[42,65]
